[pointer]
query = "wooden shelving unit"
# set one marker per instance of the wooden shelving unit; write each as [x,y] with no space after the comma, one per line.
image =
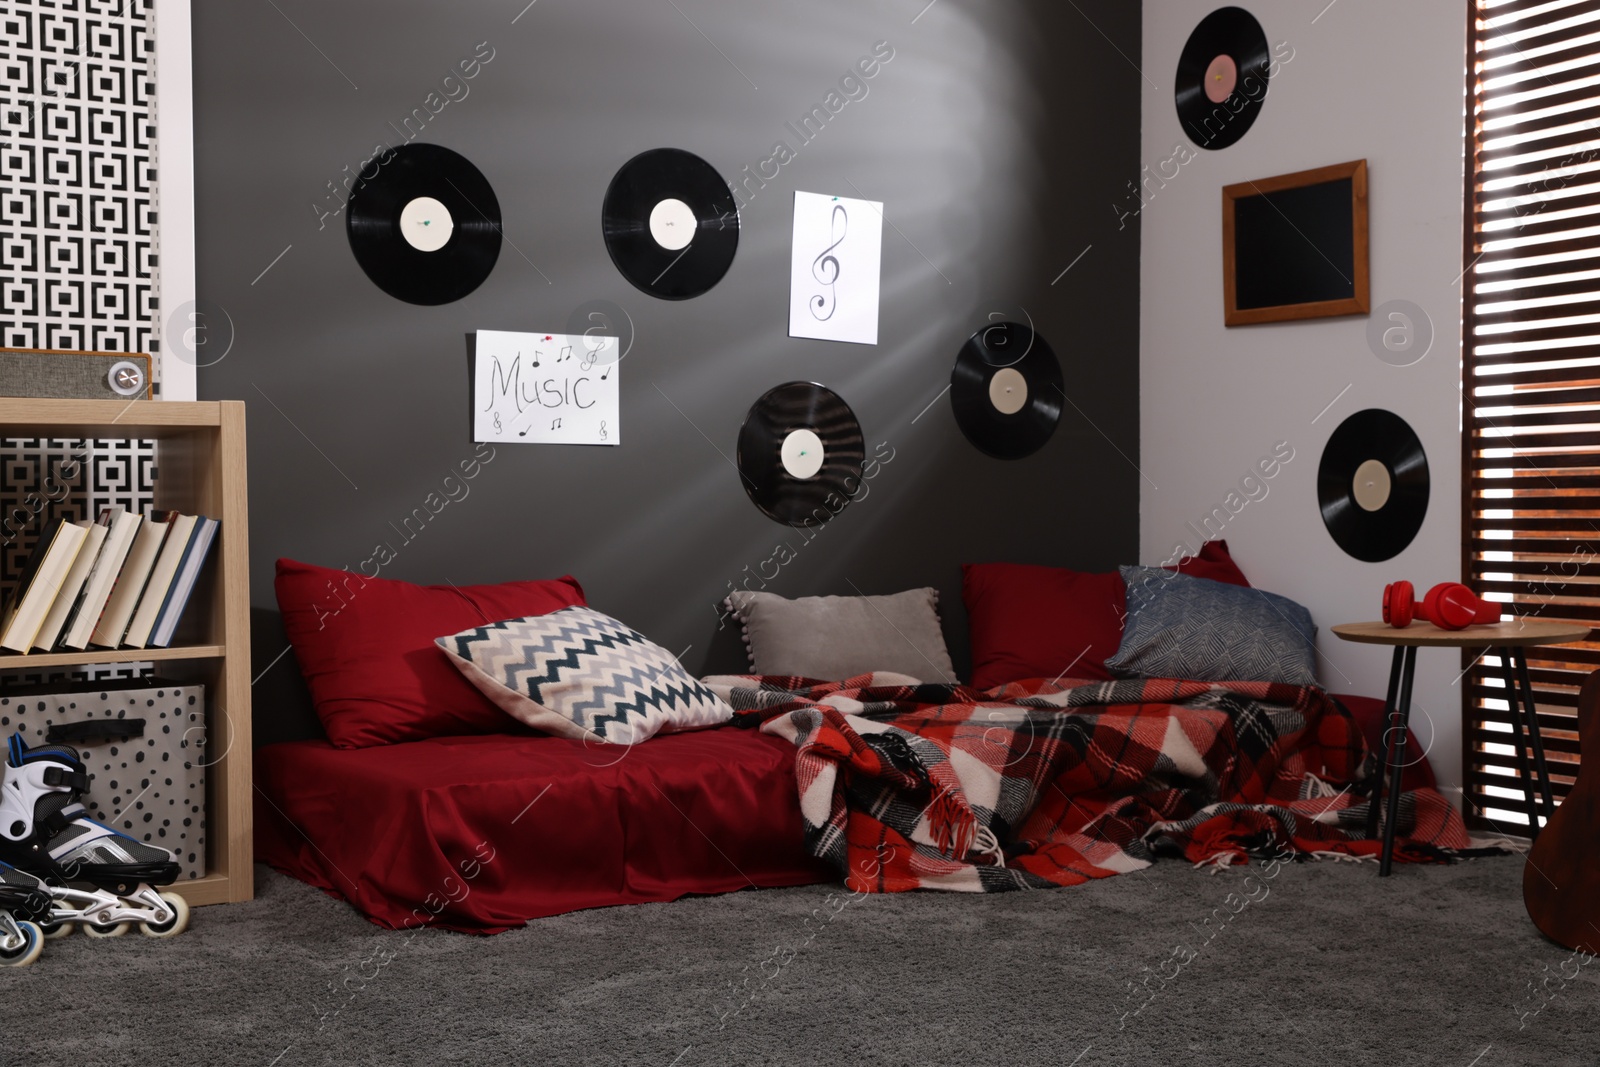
[200,464]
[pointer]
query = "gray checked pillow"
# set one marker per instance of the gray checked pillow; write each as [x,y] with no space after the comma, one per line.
[1198,629]
[837,637]
[581,674]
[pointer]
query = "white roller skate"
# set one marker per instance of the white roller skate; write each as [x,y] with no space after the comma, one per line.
[96,877]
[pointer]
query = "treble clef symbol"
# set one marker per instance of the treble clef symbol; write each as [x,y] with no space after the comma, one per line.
[825,268]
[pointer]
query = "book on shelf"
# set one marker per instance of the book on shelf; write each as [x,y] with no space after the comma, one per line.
[41,580]
[55,621]
[205,532]
[173,549]
[121,526]
[129,585]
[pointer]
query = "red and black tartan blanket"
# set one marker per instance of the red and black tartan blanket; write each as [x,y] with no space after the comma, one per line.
[1035,784]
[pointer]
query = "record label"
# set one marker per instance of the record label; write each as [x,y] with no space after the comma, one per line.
[671,224]
[1222,77]
[802,454]
[426,224]
[426,227]
[1008,390]
[799,449]
[1006,405]
[1372,485]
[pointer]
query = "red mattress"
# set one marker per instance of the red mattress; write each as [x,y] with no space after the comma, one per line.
[480,834]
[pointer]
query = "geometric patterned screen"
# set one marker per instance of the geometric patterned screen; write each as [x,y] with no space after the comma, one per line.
[78,241]
[78,248]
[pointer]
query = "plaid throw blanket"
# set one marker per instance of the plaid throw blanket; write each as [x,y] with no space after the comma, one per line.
[1031,785]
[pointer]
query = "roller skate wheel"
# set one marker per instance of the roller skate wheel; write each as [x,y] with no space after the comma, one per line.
[114,930]
[174,925]
[54,931]
[32,947]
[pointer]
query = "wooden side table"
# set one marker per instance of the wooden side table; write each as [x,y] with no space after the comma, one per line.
[1507,639]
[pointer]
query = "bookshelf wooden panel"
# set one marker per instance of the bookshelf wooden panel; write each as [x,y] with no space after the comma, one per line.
[200,465]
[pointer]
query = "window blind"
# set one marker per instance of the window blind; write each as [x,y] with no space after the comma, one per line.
[1531,370]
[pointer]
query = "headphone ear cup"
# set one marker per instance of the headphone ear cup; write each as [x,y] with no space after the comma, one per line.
[1398,604]
[1450,606]
[1488,612]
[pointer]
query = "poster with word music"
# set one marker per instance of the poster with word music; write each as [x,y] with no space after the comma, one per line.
[545,389]
[833,269]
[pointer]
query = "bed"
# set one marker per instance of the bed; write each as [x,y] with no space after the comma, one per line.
[428,804]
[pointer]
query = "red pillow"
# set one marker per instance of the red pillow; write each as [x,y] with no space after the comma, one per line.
[1213,562]
[365,646]
[1029,621]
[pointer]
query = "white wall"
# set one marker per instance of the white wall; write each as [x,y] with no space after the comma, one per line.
[1380,81]
[175,182]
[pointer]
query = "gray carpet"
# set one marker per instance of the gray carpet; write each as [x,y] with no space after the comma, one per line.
[1436,965]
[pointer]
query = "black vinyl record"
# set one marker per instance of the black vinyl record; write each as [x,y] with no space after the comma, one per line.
[1372,485]
[1222,77]
[1006,390]
[671,223]
[801,445]
[426,227]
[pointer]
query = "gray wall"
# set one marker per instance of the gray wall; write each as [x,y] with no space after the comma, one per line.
[998,137]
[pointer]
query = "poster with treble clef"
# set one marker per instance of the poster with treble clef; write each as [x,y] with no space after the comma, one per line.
[543,388]
[833,270]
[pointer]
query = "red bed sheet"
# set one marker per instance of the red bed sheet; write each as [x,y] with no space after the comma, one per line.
[480,834]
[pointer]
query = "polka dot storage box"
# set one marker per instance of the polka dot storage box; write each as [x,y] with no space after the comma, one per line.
[144,743]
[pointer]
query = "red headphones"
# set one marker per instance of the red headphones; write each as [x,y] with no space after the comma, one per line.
[1448,605]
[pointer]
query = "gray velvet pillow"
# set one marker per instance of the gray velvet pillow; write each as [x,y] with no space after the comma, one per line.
[837,637]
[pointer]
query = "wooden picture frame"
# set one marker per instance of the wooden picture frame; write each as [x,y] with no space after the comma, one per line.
[1284,250]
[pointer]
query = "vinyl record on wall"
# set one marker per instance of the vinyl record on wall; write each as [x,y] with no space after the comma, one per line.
[426,227]
[799,449]
[1372,485]
[1222,77]
[1006,390]
[670,223]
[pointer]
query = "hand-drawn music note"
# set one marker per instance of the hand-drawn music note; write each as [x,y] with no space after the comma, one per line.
[825,268]
[556,425]
[835,258]
[602,429]
[566,353]
[536,354]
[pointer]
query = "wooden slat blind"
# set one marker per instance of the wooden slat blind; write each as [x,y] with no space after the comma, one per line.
[1531,371]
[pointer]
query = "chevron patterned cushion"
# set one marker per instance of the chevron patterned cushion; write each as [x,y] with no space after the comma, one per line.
[1198,629]
[580,674]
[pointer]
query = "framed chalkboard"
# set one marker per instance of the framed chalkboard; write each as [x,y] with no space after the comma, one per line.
[1295,246]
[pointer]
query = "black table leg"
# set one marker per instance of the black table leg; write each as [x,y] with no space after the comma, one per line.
[1388,742]
[1535,738]
[1397,758]
[1530,804]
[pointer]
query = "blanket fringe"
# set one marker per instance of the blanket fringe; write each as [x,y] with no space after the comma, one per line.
[988,846]
[1315,788]
[953,826]
[1223,861]
[1510,844]
[1341,857]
